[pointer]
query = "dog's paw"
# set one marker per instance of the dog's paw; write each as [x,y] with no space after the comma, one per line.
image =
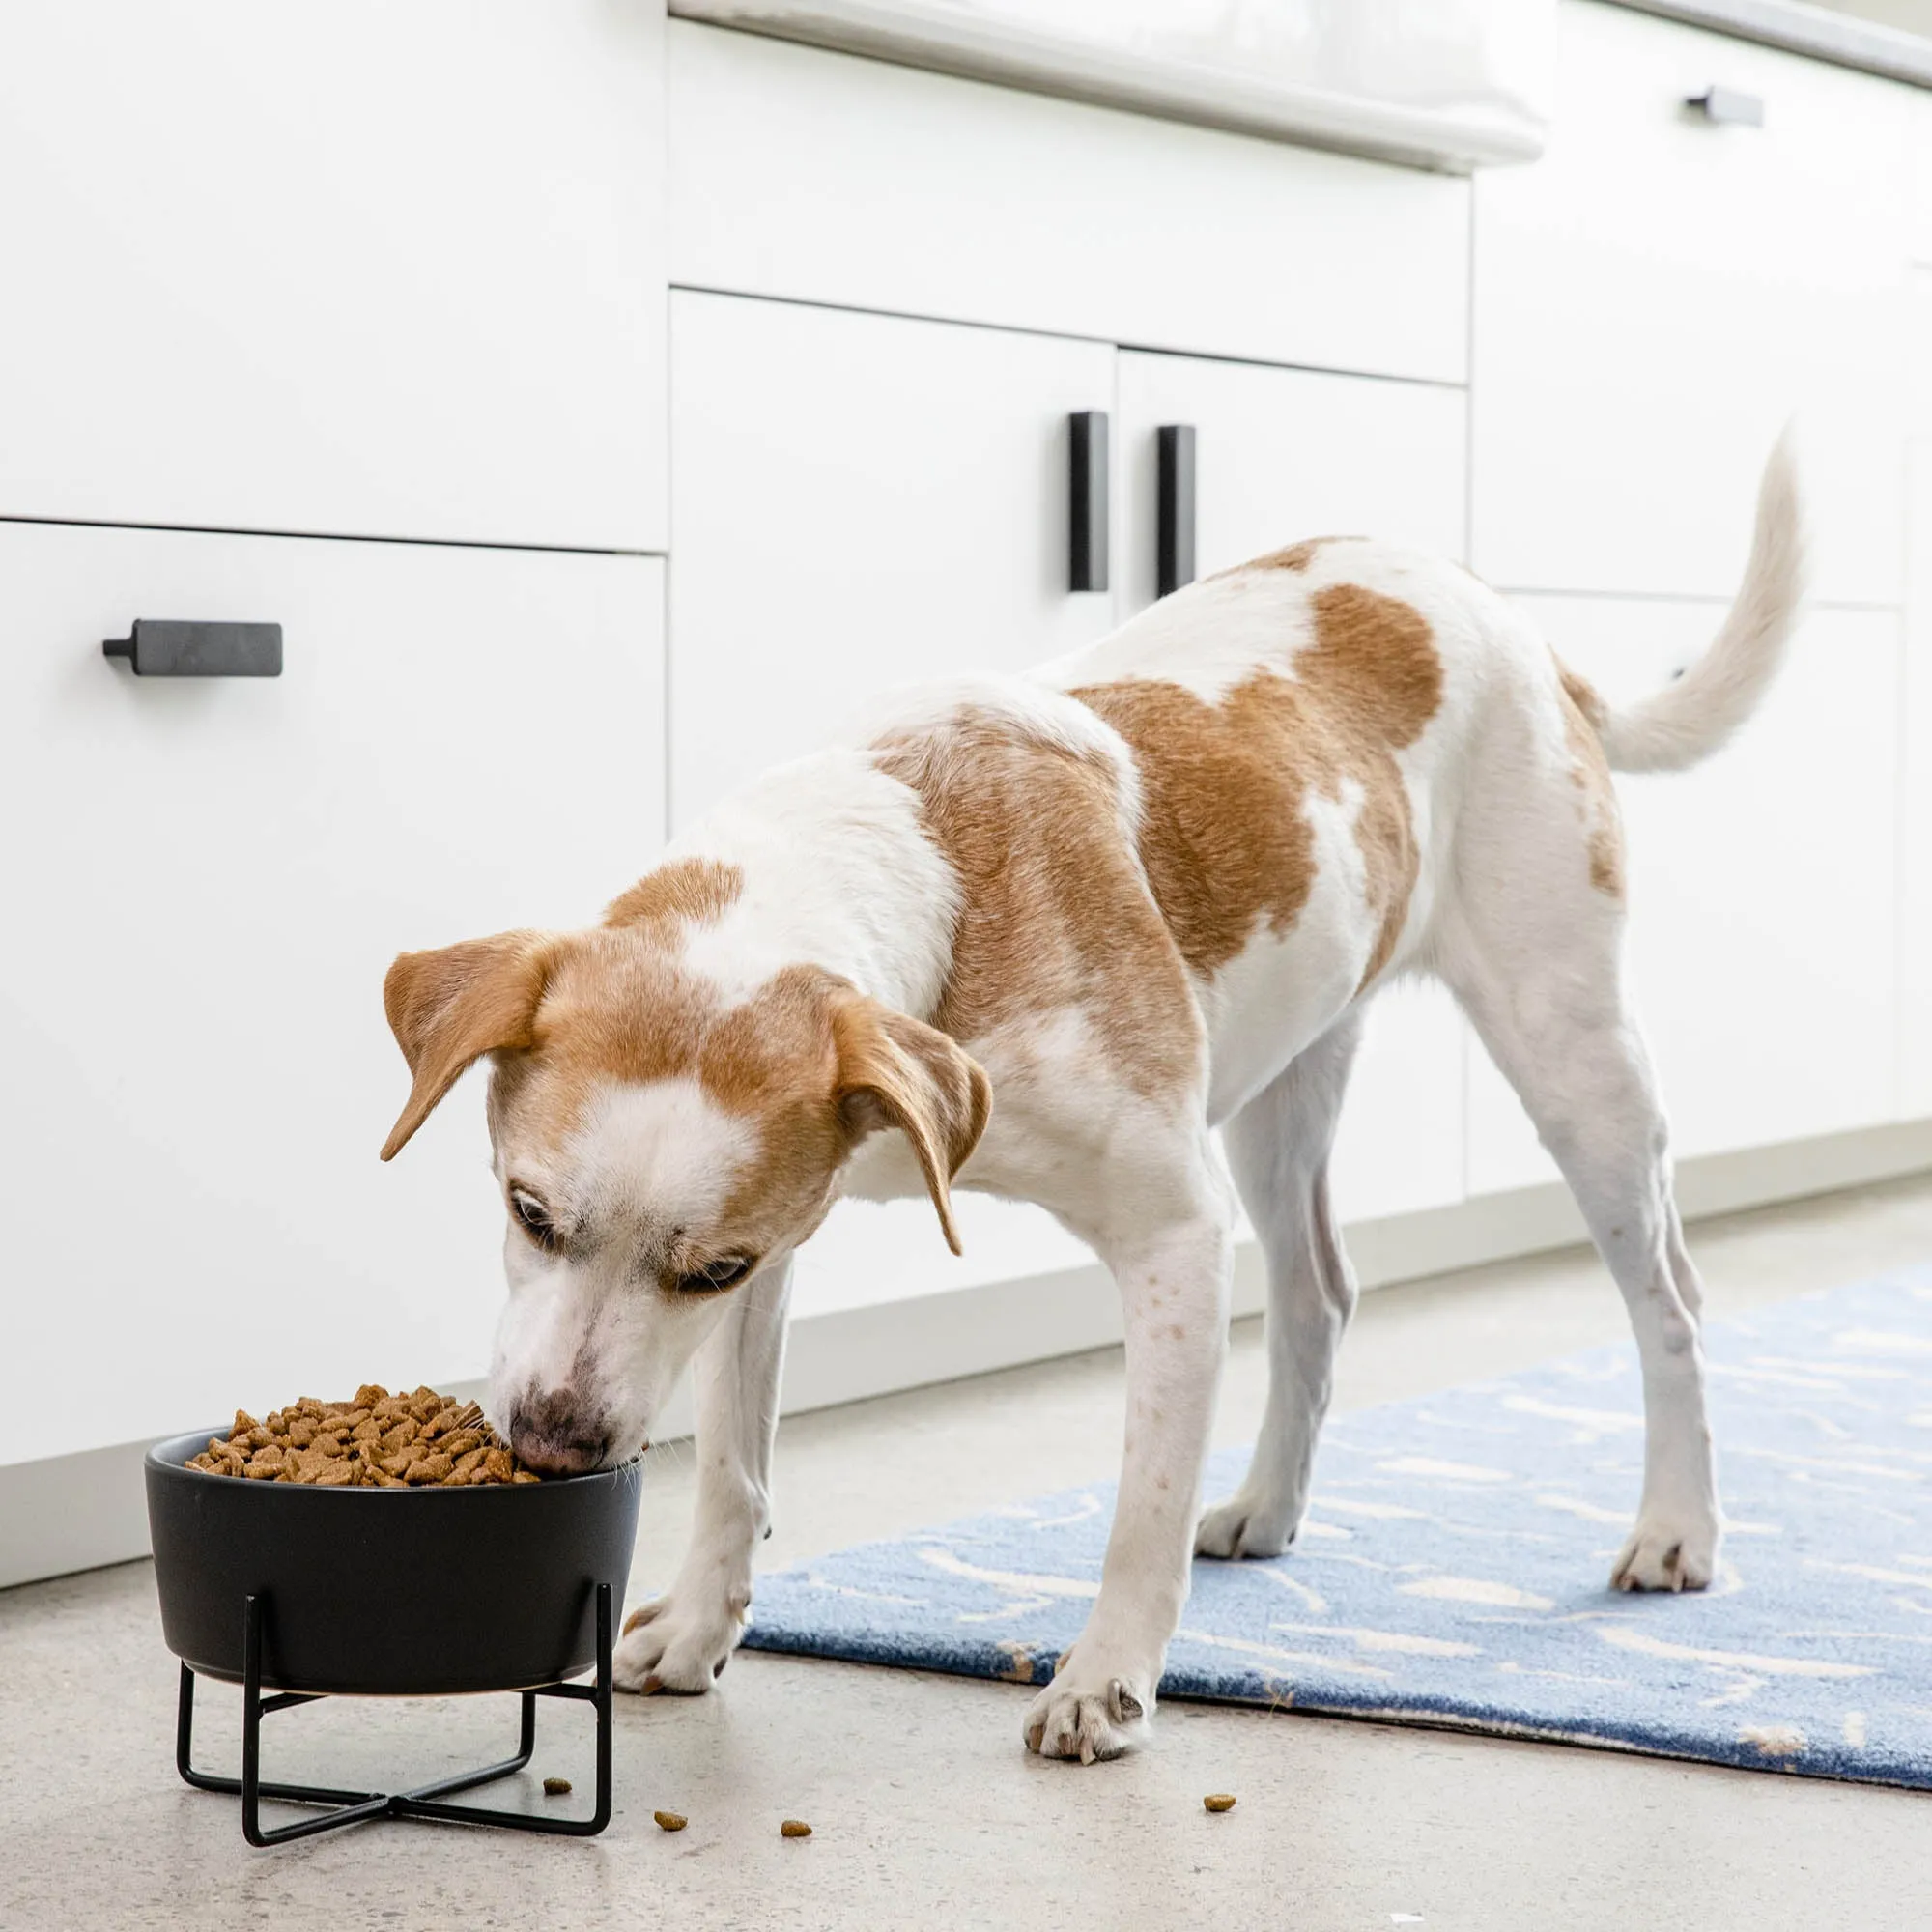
[1244,1526]
[1086,1714]
[674,1643]
[1668,1552]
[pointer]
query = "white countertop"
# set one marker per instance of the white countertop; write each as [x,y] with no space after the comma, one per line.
[1455,84]
[1822,31]
[1360,75]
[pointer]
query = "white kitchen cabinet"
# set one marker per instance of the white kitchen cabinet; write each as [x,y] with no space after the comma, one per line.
[1281,454]
[1658,294]
[1921,180]
[1914,871]
[207,879]
[1400,1144]
[823,178]
[861,503]
[359,268]
[1763,890]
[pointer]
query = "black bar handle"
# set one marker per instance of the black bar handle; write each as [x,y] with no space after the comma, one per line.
[1728,106]
[1087,500]
[1174,508]
[168,648]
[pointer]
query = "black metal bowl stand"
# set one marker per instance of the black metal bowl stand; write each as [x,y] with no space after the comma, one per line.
[426,1800]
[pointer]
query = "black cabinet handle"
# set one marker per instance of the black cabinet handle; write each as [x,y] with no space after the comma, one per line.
[1728,106]
[1087,500]
[168,648]
[1174,508]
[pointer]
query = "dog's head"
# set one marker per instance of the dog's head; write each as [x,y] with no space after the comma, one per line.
[661,1144]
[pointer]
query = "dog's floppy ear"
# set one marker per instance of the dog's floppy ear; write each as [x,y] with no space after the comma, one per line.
[449,1006]
[895,1071]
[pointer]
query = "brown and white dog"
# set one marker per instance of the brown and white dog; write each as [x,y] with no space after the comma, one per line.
[1043,936]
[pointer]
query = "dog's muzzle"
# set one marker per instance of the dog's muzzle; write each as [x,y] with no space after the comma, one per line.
[557,1433]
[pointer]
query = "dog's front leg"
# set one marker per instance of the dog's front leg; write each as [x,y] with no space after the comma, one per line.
[681,1640]
[1174,1288]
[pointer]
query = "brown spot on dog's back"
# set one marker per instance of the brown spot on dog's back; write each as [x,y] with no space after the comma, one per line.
[1055,913]
[1226,839]
[1583,714]
[1374,663]
[1292,556]
[686,891]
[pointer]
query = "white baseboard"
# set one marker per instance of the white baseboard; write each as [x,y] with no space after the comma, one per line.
[848,1355]
[80,1511]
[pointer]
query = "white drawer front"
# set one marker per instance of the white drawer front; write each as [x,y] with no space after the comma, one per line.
[207,879]
[1659,294]
[812,175]
[1763,891]
[359,268]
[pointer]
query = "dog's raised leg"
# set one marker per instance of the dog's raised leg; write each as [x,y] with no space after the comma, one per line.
[1174,1277]
[1278,1147]
[681,1640]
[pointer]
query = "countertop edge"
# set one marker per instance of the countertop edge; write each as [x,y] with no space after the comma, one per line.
[1841,38]
[995,51]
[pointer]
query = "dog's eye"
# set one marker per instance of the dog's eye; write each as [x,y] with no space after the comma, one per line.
[714,1275]
[533,1218]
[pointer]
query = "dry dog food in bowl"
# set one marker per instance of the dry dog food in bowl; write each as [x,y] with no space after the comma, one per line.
[376,1439]
[409,1579]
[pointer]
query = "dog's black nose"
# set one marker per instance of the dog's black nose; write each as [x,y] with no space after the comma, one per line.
[553,1432]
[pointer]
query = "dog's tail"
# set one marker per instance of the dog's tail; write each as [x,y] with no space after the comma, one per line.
[1692,717]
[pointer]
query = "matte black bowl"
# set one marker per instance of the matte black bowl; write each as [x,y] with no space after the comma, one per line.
[376,1592]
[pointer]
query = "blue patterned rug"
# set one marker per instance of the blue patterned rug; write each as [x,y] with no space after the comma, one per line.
[1453,1570]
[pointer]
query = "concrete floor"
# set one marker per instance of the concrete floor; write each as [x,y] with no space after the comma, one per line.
[926,1810]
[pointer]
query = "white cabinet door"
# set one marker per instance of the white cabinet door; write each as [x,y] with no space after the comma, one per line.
[1763,891]
[1282,454]
[1921,185]
[207,879]
[1400,1142]
[860,502]
[354,267]
[1659,294]
[1914,871]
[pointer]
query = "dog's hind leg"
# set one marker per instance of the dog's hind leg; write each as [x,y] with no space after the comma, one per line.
[1540,978]
[1278,1147]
